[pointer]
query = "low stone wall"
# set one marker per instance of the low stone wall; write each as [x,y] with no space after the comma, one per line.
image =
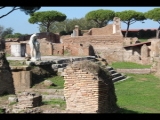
[134,71]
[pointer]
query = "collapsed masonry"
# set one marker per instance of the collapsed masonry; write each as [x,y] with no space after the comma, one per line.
[6,80]
[27,103]
[88,88]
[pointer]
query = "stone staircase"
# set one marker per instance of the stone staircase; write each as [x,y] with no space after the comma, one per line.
[116,76]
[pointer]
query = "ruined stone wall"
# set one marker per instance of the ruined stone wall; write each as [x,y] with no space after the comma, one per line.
[78,49]
[97,40]
[130,40]
[108,47]
[107,30]
[46,48]
[88,92]
[6,80]
[111,55]
[131,54]
[58,49]
[155,47]
[51,37]
[8,47]
[73,49]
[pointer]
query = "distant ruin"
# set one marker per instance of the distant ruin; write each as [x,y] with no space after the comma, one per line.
[107,42]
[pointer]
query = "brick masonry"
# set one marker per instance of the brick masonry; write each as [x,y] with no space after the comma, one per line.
[86,92]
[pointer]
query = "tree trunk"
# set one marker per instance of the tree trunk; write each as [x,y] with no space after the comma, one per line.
[127,29]
[101,24]
[48,25]
[47,29]
[157,34]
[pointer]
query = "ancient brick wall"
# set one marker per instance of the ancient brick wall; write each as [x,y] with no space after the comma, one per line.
[86,91]
[58,49]
[78,49]
[51,37]
[46,48]
[96,40]
[107,30]
[107,46]
[8,47]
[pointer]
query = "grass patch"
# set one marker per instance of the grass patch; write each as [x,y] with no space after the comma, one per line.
[1,111]
[58,81]
[7,55]
[66,52]
[143,40]
[56,103]
[129,65]
[17,62]
[138,94]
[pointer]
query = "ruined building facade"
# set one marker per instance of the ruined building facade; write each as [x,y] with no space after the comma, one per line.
[107,42]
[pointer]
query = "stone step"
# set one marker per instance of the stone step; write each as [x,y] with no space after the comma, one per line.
[118,78]
[116,74]
[109,68]
[50,97]
[112,71]
[123,79]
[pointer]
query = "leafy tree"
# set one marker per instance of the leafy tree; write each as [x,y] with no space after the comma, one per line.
[15,35]
[67,26]
[46,18]
[129,17]
[9,36]
[101,17]
[154,15]
[26,10]
[6,32]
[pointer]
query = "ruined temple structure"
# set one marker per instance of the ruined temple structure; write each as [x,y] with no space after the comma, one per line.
[6,80]
[88,88]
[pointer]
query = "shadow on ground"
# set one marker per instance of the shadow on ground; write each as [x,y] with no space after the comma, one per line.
[123,111]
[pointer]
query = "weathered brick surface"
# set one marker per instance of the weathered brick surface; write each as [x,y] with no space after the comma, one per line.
[28,100]
[107,30]
[99,43]
[86,92]
[58,49]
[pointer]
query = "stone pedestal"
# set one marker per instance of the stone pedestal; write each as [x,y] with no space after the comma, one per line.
[21,77]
